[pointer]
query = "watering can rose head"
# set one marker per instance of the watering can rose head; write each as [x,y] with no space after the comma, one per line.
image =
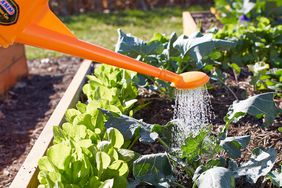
[191,80]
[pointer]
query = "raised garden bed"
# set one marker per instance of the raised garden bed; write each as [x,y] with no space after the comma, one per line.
[13,66]
[27,175]
[158,111]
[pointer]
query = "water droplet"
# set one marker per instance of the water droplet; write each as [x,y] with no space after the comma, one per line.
[192,112]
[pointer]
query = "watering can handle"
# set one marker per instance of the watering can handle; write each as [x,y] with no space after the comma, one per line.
[36,25]
[41,37]
[48,32]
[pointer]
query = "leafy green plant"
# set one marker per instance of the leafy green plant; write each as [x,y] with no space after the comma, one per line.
[259,47]
[217,177]
[153,169]
[86,153]
[177,54]
[233,145]
[222,171]
[199,156]
[130,127]
[261,105]
[260,164]
[111,86]
[204,151]
[264,78]
[198,150]
[84,160]
[239,11]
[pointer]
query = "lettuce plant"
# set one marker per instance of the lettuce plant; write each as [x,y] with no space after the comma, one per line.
[111,86]
[82,159]
[84,152]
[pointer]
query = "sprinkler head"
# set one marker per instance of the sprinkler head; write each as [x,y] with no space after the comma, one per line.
[191,80]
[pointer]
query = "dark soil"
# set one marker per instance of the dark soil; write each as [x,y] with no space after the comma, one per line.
[25,109]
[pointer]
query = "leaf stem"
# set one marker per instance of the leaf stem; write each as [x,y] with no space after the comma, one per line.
[163,143]
[177,184]
[133,142]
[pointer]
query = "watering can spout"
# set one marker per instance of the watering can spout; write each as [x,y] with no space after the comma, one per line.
[45,30]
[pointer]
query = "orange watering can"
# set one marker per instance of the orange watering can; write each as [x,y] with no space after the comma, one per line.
[31,22]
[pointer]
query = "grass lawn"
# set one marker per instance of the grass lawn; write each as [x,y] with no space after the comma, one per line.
[101,29]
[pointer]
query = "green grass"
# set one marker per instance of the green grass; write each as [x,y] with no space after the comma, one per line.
[101,29]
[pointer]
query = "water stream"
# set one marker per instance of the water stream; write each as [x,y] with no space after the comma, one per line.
[192,112]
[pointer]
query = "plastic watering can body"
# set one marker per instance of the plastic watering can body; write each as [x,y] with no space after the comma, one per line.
[15,16]
[33,23]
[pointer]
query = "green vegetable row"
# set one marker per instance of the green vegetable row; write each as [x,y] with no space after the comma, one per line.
[92,148]
[258,47]
[84,152]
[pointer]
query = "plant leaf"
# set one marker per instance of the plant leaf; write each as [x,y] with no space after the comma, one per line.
[247,6]
[115,137]
[233,145]
[260,163]
[120,166]
[261,104]
[199,146]
[103,160]
[126,154]
[71,114]
[107,184]
[198,46]
[154,169]
[94,182]
[133,46]
[275,177]
[217,177]
[164,131]
[129,126]
[59,155]
[120,182]
[45,165]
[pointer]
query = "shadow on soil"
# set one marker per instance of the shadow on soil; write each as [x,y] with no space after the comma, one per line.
[18,117]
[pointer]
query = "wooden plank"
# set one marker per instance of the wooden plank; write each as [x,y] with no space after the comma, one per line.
[189,24]
[13,66]
[27,175]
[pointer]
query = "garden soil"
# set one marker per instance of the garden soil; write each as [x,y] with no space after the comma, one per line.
[26,108]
